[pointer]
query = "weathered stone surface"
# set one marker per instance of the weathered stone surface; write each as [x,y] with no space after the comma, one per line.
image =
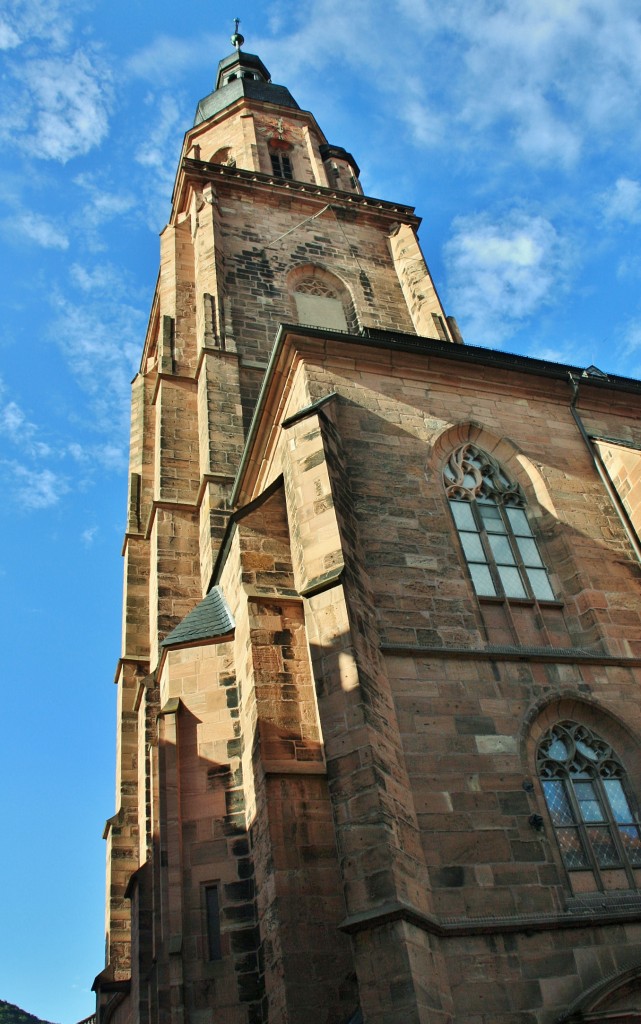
[342,791]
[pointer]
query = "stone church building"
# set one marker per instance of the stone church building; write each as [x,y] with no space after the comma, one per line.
[379,729]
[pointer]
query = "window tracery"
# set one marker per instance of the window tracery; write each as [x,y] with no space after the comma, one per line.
[585,790]
[489,512]
[319,304]
[316,286]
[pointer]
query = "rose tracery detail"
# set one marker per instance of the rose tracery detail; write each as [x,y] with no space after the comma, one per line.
[471,473]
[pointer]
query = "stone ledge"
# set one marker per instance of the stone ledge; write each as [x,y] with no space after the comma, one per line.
[454,927]
[570,655]
[295,768]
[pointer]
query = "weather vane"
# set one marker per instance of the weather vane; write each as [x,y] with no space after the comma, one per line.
[237,40]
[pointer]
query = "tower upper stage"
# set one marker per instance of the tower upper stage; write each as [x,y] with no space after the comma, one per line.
[242,74]
[250,123]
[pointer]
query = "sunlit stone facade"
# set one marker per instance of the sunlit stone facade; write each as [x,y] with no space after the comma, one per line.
[379,730]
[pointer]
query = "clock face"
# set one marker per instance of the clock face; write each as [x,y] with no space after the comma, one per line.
[278,131]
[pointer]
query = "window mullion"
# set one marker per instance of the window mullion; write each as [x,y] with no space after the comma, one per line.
[514,547]
[490,561]
[613,826]
[582,831]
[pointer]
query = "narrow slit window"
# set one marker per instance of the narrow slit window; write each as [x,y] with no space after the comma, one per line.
[212,917]
[489,512]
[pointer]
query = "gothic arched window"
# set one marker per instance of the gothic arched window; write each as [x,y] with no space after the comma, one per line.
[319,305]
[489,512]
[584,785]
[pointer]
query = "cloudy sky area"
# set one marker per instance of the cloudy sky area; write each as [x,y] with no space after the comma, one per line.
[514,128]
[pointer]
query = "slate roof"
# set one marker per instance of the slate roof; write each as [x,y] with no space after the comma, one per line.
[253,89]
[211,617]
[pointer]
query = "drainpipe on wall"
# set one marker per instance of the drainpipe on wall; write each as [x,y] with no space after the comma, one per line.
[595,455]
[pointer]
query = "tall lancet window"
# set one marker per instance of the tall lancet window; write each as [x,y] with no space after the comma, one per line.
[585,790]
[492,523]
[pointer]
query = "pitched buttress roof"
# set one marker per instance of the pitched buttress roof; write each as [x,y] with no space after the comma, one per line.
[210,618]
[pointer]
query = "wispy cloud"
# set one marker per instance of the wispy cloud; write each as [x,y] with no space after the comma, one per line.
[23,21]
[63,101]
[8,37]
[38,229]
[100,204]
[101,347]
[556,79]
[88,536]
[166,127]
[168,122]
[18,429]
[107,455]
[101,278]
[167,56]
[36,488]
[502,271]
[72,99]
[623,201]
[513,72]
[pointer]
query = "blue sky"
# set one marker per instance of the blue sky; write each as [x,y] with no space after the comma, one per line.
[514,128]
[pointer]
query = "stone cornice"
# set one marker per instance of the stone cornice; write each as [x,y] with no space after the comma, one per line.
[204,173]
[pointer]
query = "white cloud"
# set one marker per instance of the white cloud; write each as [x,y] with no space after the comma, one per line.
[88,536]
[500,272]
[19,430]
[37,488]
[64,102]
[101,278]
[166,125]
[102,345]
[623,201]
[107,455]
[556,78]
[167,56]
[628,349]
[8,37]
[26,21]
[72,100]
[13,422]
[632,336]
[169,123]
[40,230]
[101,207]
[566,353]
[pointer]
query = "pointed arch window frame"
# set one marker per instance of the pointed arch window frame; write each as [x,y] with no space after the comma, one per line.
[589,802]
[490,515]
[323,302]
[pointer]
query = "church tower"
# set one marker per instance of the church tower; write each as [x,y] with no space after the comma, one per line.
[379,733]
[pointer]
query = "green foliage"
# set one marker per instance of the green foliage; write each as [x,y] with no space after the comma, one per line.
[10,1014]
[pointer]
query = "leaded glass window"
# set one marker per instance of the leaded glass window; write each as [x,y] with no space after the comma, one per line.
[281,165]
[493,527]
[585,791]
